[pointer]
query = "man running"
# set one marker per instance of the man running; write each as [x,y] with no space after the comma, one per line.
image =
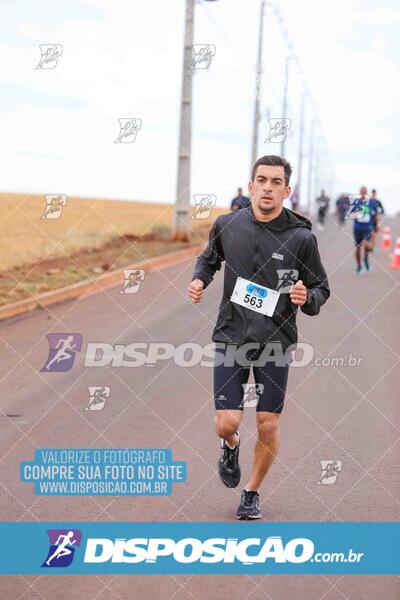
[380,212]
[295,197]
[364,212]
[240,201]
[254,317]
[323,209]
[342,209]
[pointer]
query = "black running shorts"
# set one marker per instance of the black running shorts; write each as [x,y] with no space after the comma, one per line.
[268,392]
[360,235]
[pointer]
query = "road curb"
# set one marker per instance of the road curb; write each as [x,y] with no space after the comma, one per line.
[96,284]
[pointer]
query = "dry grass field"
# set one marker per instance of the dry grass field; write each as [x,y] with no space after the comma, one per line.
[84,223]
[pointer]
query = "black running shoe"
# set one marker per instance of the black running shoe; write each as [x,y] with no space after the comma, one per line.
[249,507]
[228,465]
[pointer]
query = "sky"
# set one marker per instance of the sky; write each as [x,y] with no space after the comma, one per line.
[124,60]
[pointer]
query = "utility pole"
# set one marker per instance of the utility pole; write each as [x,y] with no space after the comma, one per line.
[310,169]
[317,178]
[256,118]
[182,202]
[301,136]
[284,107]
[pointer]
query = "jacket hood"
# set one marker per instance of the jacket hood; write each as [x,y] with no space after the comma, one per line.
[285,220]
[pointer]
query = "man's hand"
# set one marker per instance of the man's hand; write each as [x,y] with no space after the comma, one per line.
[195,290]
[298,293]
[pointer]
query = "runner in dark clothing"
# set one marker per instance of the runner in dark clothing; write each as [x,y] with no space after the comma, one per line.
[380,212]
[240,201]
[342,209]
[323,209]
[256,244]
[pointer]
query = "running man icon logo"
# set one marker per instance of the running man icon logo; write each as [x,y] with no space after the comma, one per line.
[54,206]
[62,547]
[97,397]
[251,394]
[202,56]
[203,205]
[329,471]
[132,280]
[278,129]
[128,129]
[287,277]
[50,55]
[62,351]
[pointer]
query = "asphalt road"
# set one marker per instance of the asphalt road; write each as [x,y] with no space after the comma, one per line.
[333,412]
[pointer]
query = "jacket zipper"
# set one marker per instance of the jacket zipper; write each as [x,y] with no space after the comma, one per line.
[249,312]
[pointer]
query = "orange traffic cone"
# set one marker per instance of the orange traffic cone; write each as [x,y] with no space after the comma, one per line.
[386,239]
[396,256]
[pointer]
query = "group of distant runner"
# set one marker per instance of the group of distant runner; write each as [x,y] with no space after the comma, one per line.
[365,212]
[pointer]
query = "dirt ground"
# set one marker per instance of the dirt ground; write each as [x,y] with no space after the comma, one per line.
[90,237]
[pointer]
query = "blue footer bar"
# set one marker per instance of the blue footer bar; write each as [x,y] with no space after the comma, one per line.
[204,547]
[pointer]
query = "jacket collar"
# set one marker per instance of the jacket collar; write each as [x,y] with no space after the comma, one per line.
[285,220]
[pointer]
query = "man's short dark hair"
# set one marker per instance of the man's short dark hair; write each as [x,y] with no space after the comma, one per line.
[275,161]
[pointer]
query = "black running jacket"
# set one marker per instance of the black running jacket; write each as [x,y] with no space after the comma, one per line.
[256,251]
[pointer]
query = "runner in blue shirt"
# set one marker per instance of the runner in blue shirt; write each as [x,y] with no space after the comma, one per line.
[240,201]
[364,211]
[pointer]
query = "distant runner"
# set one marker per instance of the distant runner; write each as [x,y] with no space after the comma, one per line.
[364,211]
[342,209]
[323,209]
[295,197]
[240,201]
[258,243]
[380,212]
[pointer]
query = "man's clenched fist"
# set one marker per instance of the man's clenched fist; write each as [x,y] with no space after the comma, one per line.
[298,293]
[195,290]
